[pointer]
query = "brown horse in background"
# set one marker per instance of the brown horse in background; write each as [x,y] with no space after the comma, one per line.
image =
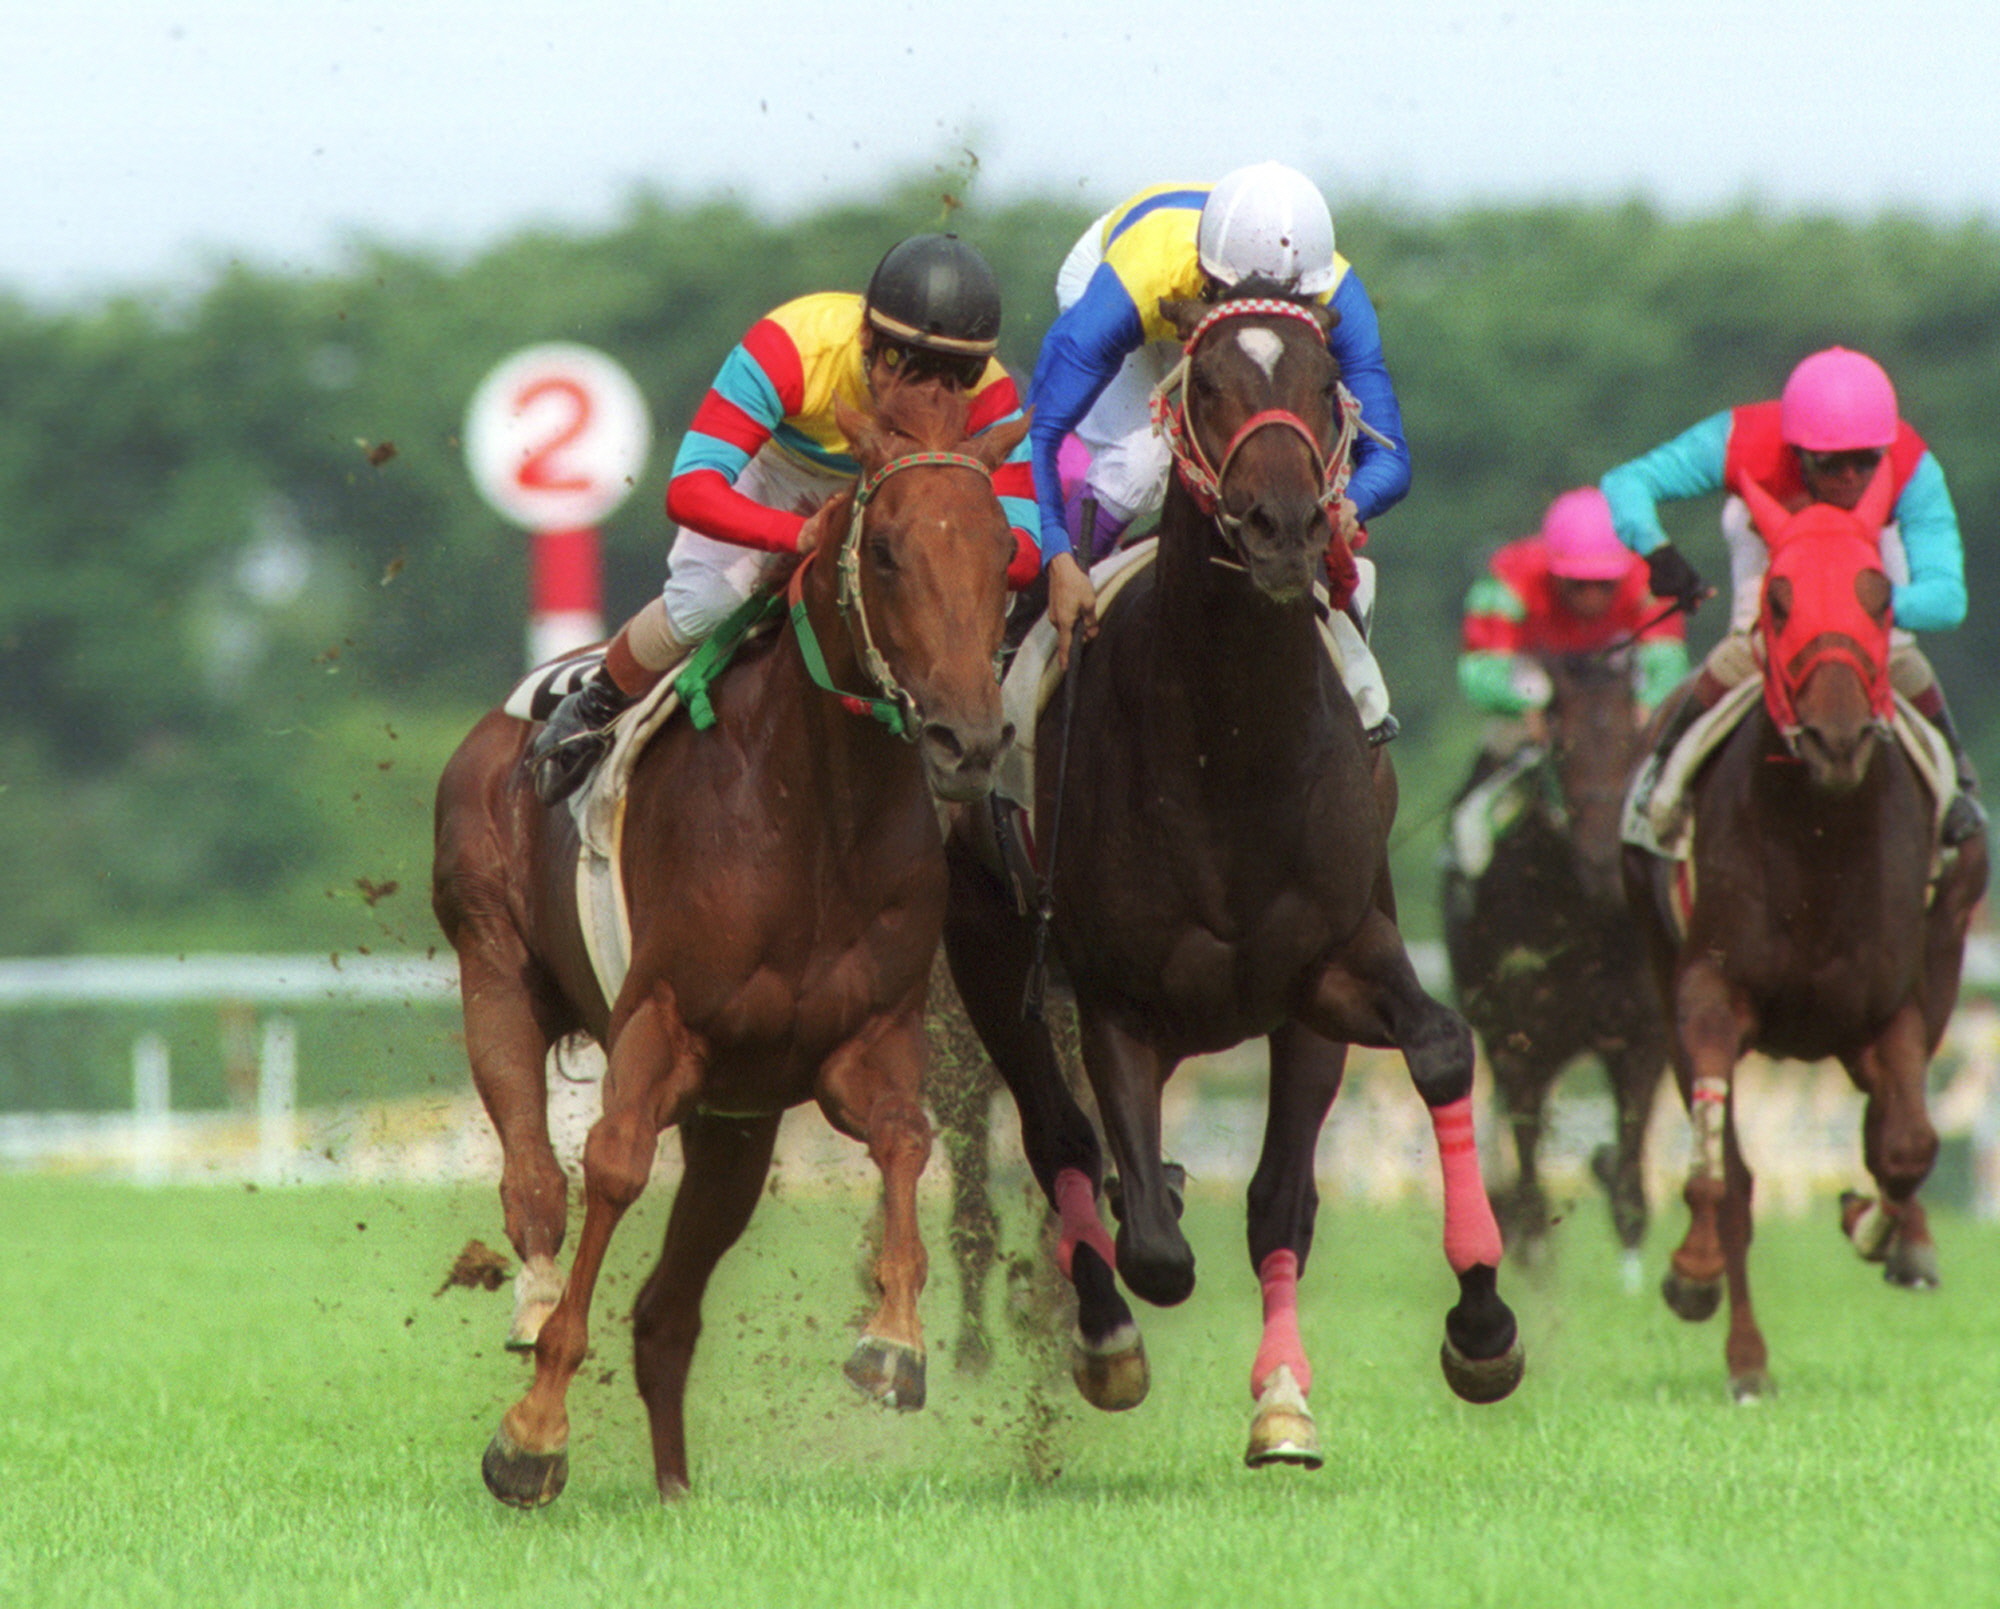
[786,885]
[1546,958]
[1223,875]
[1815,928]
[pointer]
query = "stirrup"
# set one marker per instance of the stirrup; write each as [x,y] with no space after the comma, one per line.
[565,766]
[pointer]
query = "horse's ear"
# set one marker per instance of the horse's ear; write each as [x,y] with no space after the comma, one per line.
[1184,316]
[1874,592]
[1768,514]
[1879,499]
[991,447]
[863,434]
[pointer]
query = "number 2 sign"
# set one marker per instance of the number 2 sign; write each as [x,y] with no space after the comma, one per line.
[556,436]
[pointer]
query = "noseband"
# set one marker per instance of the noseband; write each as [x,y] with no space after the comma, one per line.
[1203,479]
[895,709]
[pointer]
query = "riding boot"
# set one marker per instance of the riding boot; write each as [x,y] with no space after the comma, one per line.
[1966,816]
[576,736]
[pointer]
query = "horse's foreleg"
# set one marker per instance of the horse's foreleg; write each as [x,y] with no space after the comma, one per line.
[991,952]
[728,1159]
[527,1463]
[961,1090]
[1899,1145]
[1283,1203]
[1522,1207]
[1370,995]
[1154,1258]
[1744,1351]
[507,1039]
[872,1089]
[1634,1073]
[1712,1025]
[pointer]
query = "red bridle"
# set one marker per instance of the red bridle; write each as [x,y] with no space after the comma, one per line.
[1203,479]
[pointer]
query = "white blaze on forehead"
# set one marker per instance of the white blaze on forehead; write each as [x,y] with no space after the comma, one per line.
[1264,348]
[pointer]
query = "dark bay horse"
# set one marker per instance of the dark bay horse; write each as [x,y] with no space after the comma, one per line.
[786,884]
[1815,928]
[1223,875]
[1547,960]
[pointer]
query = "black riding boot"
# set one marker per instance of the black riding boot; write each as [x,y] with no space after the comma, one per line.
[1966,818]
[576,736]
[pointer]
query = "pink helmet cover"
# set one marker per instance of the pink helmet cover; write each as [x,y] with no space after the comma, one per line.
[1581,544]
[1838,401]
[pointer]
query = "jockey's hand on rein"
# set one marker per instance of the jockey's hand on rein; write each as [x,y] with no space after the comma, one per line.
[1671,576]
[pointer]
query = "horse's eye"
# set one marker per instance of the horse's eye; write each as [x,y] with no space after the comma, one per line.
[882,554]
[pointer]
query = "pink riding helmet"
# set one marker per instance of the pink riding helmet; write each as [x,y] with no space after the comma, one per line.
[1581,544]
[1838,401]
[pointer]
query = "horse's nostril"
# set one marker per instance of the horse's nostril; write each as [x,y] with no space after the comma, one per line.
[1007,735]
[944,739]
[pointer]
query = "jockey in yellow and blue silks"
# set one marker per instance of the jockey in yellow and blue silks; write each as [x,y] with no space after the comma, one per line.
[1110,346]
[753,480]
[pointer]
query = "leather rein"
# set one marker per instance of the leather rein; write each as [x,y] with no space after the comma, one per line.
[895,708]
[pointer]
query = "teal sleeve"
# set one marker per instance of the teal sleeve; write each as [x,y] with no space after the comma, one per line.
[1933,599]
[1687,466]
[1663,666]
[1487,681]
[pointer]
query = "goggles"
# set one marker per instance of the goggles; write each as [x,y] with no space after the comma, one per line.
[1855,461]
[959,370]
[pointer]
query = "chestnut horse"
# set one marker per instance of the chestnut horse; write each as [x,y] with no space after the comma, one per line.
[786,884]
[1816,929]
[1546,958]
[1222,874]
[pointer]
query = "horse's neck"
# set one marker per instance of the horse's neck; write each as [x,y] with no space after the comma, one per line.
[1248,671]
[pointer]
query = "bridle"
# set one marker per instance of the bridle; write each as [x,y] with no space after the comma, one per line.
[1204,479]
[895,708]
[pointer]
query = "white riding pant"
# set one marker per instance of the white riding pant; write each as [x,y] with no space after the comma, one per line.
[708,580]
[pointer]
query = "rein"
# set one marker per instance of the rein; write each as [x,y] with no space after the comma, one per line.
[1204,479]
[895,709]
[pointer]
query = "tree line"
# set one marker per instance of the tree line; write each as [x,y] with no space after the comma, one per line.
[251,599]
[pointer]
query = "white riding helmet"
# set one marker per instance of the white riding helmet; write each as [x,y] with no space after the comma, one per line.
[1270,220]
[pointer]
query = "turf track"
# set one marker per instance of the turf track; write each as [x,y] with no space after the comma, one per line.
[218,1395]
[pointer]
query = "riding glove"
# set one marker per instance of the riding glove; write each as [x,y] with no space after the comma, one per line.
[1671,576]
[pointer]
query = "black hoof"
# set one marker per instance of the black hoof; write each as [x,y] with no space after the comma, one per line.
[1483,1380]
[1693,1299]
[1752,1387]
[1176,1177]
[519,1478]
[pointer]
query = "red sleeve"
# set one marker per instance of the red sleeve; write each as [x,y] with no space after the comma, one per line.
[702,500]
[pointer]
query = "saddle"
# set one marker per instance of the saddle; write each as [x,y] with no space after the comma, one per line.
[598,807]
[1657,817]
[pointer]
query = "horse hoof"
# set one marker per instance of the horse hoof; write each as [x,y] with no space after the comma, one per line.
[887,1372]
[1283,1431]
[1750,1388]
[1112,1376]
[1912,1267]
[1483,1379]
[1866,1225]
[1631,1273]
[520,1478]
[1693,1299]
[972,1356]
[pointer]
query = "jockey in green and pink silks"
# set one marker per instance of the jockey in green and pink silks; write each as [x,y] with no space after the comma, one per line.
[1836,425]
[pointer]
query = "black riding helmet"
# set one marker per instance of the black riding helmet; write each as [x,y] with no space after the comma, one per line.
[937,293]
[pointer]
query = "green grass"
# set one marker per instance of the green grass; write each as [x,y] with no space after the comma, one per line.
[223,1396]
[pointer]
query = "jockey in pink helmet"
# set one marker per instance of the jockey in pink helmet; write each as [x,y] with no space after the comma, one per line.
[1836,425]
[1571,588]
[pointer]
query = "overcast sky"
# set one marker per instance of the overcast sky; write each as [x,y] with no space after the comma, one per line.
[143,142]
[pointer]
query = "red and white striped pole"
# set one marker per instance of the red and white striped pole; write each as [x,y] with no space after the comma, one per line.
[565,592]
[556,438]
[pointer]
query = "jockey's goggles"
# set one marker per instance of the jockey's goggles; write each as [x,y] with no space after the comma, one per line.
[1856,461]
[960,370]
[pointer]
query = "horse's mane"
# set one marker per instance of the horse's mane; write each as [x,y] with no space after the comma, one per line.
[926,412]
[1260,288]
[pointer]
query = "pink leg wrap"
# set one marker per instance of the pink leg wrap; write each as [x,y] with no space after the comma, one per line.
[1470,1234]
[1279,1275]
[1076,1202]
